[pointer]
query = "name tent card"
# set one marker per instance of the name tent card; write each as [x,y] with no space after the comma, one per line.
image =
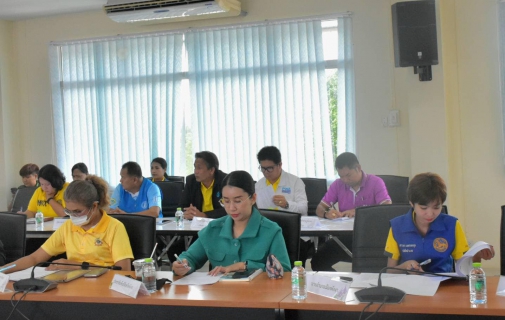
[4,279]
[58,222]
[328,287]
[199,223]
[128,286]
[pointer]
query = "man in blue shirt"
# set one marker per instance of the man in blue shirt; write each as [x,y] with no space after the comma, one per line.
[135,194]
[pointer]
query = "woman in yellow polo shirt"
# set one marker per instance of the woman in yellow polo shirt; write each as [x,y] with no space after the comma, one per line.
[48,198]
[90,235]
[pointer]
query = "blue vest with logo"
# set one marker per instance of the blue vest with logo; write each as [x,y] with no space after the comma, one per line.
[437,245]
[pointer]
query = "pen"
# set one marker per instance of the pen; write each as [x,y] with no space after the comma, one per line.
[425,262]
[7,268]
[178,259]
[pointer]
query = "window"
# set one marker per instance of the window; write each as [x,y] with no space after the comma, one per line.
[229,90]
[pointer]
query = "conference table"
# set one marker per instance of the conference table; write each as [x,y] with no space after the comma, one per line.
[261,298]
[167,227]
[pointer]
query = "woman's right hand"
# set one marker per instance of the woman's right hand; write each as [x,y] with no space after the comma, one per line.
[411,265]
[181,269]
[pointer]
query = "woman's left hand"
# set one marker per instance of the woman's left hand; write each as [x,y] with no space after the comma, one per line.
[217,270]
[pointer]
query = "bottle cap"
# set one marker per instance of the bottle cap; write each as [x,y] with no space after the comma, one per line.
[476,264]
[148,260]
[179,209]
[298,263]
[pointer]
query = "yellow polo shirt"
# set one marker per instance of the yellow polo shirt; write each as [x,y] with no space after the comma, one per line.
[275,184]
[38,202]
[207,197]
[103,245]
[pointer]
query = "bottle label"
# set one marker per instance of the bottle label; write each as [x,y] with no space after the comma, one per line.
[480,285]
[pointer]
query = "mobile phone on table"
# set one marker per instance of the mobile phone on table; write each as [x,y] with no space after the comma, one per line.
[95,272]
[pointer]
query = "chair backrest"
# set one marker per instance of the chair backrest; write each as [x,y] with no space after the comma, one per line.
[176,179]
[315,188]
[172,192]
[13,235]
[502,242]
[397,188]
[22,198]
[371,228]
[141,231]
[290,223]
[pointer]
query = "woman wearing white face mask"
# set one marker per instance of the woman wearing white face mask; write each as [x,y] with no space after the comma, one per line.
[105,239]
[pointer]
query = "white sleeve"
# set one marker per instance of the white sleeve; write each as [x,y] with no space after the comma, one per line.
[299,201]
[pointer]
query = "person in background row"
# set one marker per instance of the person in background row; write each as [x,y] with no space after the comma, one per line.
[90,235]
[159,170]
[242,240]
[79,171]
[280,190]
[136,194]
[48,198]
[202,192]
[354,189]
[29,174]
[423,233]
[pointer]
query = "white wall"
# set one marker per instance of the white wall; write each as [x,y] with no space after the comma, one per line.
[450,125]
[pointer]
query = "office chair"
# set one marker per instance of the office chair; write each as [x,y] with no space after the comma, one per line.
[371,228]
[315,188]
[172,192]
[141,231]
[290,224]
[397,188]
[502,242]
[13,235]
[22,198]
[176,179]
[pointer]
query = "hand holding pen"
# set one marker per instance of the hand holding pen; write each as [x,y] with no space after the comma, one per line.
[180,267]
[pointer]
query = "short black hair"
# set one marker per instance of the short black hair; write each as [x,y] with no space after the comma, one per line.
[53,175]
[269,153]
[132,169]
[28,169]
[346,159]
[240,179]
[209,158]
[425,188]
[81,166]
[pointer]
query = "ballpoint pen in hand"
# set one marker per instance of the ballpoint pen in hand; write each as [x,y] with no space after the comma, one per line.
[179,259]
[425,262]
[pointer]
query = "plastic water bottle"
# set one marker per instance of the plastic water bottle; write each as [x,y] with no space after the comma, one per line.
[39,221]
[179,219]
[298,283]
[149,275]
[478,290]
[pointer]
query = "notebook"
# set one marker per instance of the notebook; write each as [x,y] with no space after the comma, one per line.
[241,276]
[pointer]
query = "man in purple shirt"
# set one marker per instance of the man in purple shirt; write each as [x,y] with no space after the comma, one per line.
[354,189]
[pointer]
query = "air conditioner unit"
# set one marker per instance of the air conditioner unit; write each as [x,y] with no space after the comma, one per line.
[158,11]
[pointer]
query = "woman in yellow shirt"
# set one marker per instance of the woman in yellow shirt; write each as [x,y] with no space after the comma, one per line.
[48,198]
[90,235]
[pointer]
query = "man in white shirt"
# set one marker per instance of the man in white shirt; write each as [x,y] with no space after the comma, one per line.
[279,190]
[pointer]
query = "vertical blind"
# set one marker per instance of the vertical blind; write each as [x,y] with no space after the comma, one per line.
[228,90]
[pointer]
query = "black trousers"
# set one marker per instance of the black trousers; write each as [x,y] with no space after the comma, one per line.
[330,253]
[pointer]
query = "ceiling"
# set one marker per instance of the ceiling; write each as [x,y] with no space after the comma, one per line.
[27,9]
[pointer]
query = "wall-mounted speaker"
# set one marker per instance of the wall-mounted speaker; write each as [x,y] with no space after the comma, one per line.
[415,33]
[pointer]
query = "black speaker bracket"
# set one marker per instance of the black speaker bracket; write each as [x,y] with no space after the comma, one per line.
[424,72]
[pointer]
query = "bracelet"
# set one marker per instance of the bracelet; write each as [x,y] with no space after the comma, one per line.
[325,212]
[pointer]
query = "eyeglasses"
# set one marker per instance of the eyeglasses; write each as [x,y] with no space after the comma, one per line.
[236,202]
[267,169]
[76,213]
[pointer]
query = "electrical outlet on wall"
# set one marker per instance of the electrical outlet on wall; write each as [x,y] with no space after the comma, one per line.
[394,118]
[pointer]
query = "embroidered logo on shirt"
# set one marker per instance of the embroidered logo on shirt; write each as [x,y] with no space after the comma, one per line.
[98,242]
[440,244]
[144,205]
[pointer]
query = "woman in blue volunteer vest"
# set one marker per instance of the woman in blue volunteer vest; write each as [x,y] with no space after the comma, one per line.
[423,234]
[242,240]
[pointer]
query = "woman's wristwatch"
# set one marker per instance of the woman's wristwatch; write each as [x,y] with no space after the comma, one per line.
[47,201]
[325,212]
